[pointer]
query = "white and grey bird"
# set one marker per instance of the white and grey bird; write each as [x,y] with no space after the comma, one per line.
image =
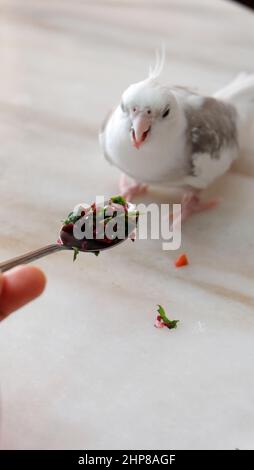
[171,135]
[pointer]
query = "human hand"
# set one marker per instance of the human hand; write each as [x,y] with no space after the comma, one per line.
[18,287]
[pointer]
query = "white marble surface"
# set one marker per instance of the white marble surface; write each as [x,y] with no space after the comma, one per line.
[83,366]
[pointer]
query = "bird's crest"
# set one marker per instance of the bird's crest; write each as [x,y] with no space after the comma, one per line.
[155,71]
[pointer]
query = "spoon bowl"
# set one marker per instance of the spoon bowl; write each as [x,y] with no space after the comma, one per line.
[69,242]
[98,243]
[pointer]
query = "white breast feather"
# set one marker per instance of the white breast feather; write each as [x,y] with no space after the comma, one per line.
[207,169]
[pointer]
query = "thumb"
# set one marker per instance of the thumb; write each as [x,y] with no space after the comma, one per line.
[18,287]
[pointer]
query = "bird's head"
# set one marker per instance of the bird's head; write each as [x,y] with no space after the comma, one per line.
[148,106]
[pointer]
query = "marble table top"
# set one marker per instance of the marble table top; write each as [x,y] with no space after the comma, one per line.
[83,366]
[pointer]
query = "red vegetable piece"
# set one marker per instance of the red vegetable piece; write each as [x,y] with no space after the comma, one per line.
[158,323]
[181,261]
[68,228]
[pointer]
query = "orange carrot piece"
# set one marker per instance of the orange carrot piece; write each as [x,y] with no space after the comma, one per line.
[181,261]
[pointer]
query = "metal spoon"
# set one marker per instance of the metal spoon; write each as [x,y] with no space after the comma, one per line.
[94,247]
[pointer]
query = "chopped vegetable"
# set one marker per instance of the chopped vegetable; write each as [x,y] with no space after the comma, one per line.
[75,254]
[158,323]
[162,320]
[71,219]
[119,200]
[98,225]
[181,261]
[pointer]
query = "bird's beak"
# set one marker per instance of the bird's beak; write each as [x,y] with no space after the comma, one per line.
[141,125]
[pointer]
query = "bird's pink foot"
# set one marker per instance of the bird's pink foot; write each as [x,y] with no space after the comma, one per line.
[129,189]
[192,204]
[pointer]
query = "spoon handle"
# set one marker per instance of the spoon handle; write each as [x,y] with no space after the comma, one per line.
[30,256]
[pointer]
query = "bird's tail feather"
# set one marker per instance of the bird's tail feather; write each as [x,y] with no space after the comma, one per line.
[240,93]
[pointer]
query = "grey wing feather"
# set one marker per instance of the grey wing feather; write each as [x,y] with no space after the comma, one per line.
[211,140]
[211,127]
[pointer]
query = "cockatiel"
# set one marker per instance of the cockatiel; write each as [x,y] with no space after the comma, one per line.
[171,135]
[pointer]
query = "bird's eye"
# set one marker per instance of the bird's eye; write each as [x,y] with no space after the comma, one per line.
[165,113]
[122,107]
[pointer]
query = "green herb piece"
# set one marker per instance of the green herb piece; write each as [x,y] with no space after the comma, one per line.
[169,323]
[96,253]
[119,200]
[75,254]
[71,219]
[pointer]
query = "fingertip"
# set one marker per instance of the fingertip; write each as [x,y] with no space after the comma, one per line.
[36,277]
[19,286]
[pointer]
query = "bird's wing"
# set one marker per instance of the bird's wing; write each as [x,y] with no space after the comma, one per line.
[211,137]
